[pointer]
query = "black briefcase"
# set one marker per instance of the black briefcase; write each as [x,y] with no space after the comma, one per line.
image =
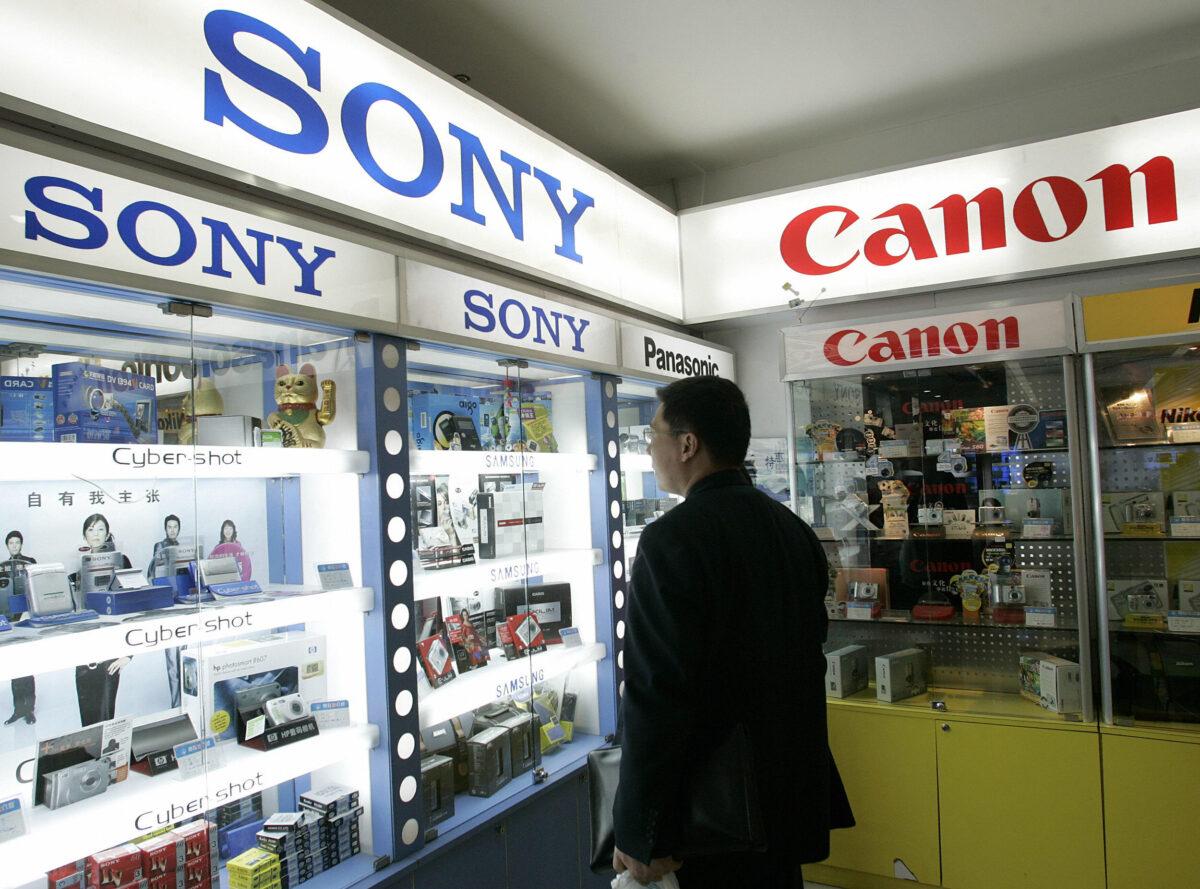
[722,814]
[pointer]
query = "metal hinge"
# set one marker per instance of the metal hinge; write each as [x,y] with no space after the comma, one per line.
[513,362]
[20,350]
[186,309]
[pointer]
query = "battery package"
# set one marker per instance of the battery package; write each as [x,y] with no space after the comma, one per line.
[26,409]
[847,671]
[437,785]
[489,754]
[523,742]
[331,800]
[99,404]
[900,675]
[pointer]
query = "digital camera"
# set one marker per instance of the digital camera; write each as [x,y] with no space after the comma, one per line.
[286,709]
[78,782]
[1143,599]
[863,591]
[930,515]
[1004,589]
[256,696]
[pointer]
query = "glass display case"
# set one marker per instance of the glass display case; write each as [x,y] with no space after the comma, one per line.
[944,496]
[187,641]
[1147,520]
[512,481]
[641,499]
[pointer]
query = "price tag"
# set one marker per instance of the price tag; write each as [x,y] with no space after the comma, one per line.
[193,756]
[1041,617]
[12,819]
[860,610]
[335,576]
[1033,528]
[1183,621]
[255,726]
[570,637]
[1185,526]
[331,714]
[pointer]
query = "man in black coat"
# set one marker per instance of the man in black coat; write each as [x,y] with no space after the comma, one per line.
[725,625]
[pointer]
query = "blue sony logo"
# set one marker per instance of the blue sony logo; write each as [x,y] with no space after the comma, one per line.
[519,322]
[225,29]
[45,194]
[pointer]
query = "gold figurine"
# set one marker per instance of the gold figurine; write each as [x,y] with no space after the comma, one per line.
[298,418]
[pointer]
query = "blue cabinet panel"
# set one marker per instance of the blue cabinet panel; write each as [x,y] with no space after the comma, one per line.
[543,841]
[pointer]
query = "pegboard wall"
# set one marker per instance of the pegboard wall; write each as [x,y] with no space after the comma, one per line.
[1040,385]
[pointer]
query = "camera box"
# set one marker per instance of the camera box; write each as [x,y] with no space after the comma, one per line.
[1133,513]
[1136,595]
[550,603]
[1024,506]
[437,784]
[847,671]
[967,425]
[521,635]
[114,867]
[510,521]
[489,755]
[432,415]
[211,678]
[1188,592]
[99,404]
[228,431]
[26,409]
[436,659]
[1185,514]
[467,642]
[900,675]
[1052,682]
[68,876]
[523,740]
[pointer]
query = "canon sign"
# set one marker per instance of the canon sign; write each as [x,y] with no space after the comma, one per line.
[849,346]
[1046,210]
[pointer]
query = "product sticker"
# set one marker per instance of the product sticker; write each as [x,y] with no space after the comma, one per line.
[1037,528]
[1183,621]
[194,756]
[219,722]
[1183,433]
[1041,617]
[570,637]
[335,576]
[255,726]
[1185,526]
[12,819]
[331,714]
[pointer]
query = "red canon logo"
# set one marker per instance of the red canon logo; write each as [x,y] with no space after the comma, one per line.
[1116,197]
[849,346]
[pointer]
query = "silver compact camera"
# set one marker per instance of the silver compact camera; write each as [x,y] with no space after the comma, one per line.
[1143,599]
[1006,589]
[289,708]
[77,782]
[48,589]
[863,591]
[930,515]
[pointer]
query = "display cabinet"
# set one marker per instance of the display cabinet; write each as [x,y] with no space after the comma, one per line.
[947,501]
[514,484]
[192,642]
[1143,410]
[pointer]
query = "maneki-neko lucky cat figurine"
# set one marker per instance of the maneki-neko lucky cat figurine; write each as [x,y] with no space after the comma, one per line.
[298,418]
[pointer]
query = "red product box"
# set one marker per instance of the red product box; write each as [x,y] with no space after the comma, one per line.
[67,876]
[437,659]
[114,868]
[162,855]
[197,873]
[524,633]
[199,838]
[173,880]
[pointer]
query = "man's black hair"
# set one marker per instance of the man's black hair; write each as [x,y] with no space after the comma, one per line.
[715,410]
[11,535]
[172,518]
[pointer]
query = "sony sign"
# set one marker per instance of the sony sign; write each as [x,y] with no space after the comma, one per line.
[293,96]
[1116,194]
[982,335]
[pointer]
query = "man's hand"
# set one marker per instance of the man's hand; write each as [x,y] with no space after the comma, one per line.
[644,873]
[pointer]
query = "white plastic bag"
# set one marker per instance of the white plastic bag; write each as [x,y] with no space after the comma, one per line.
[626,881]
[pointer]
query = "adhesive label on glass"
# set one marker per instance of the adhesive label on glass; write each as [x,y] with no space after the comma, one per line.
[194,756]
[331,714]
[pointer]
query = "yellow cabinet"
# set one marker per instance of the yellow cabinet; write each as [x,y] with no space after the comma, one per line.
[1019,806]
[889,765]
[1152,809]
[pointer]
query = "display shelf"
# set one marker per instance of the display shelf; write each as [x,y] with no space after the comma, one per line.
[111,637]
[807,460]
[501,679]
[497,572]
[1155,538]
[1150,444]
[1183,732]
[1118,629]
[471,811]
[957,621]
[58,461]
[445,462]
[636,463]
[1058,538]
[966,703]
[140,804]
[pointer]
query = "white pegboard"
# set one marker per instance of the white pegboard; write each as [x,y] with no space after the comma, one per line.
[1130,557]
[1039,385]
[1131,469]
[1058,556]
[1060,467]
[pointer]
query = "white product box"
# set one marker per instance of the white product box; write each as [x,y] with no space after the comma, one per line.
[510,521]
[847,671]
[1135,513]
[212,676]
[900,675]
[1189,595]
[1136,595]
[1036,582]
[1053,682]
[995,427]
[959,524]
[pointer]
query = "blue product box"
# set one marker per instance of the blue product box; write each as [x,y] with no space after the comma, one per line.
[425,408]
[26,409]
[147,598]
[99,404]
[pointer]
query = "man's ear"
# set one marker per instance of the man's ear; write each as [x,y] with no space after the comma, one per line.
[691,445]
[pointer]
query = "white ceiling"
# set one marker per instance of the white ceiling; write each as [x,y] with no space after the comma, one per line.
[658,90]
